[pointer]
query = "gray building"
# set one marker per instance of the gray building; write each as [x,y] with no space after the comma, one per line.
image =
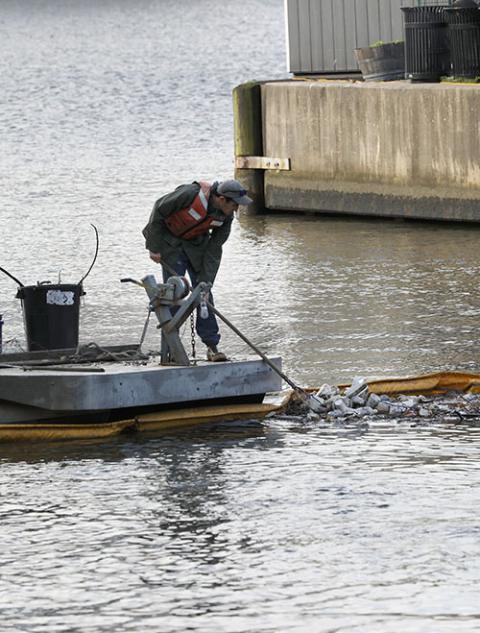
[322,34]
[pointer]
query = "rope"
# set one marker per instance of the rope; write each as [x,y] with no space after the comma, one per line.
[15,343]
[84,352]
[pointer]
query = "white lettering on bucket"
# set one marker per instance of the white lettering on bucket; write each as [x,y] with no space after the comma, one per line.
[60,297]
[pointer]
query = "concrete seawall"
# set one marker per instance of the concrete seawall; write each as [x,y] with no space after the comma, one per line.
[384,149]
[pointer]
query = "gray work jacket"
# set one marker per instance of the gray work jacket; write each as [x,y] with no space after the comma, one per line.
[204,251]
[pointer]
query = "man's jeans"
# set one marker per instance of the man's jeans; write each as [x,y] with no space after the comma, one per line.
[207,329]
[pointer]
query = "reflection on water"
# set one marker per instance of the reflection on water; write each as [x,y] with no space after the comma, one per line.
[255,527]
[344,297]
[244,527]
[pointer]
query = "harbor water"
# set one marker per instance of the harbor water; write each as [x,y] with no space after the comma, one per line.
[276,526]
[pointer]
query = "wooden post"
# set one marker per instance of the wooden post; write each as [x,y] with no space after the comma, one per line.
[248,140]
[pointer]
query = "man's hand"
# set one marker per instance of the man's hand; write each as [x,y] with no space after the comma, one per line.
[156,257]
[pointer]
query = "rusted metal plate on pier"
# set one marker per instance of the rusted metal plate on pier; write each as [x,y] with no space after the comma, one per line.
[262,162]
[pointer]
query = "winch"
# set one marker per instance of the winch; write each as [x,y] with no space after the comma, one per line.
[175,289]
[176,293]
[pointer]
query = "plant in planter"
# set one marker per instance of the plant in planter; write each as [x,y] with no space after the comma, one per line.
[382,61]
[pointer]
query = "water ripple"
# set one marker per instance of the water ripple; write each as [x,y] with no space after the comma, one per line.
[244,527]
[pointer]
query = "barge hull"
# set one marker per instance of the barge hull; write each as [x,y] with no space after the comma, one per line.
[115,390]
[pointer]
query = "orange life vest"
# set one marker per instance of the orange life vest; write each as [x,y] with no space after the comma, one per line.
[194,220]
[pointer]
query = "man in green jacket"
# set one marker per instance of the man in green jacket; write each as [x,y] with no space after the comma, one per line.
[186,230]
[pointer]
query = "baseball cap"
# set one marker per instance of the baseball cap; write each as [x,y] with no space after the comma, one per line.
[233,189]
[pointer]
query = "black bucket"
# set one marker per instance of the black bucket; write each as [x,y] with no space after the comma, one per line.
[427,54]
[464,34]
[51,314]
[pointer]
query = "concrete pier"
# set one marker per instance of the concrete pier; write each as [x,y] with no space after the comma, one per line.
[392,149]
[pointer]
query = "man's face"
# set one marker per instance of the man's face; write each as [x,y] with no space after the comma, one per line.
[226,205]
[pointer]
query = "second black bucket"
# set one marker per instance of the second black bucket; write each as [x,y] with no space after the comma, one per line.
[51,314]
[427,55]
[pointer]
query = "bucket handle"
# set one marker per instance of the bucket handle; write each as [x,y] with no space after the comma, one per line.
[94,257]
[12,277]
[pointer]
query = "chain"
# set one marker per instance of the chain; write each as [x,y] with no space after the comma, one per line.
[192,329]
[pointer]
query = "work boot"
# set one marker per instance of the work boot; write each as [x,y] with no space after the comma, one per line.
[214,356]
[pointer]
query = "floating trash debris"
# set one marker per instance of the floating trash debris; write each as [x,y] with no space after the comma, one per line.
[357,401]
